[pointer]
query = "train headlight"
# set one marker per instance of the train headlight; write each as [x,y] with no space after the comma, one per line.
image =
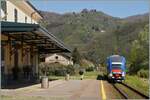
[123,73]
[110,75]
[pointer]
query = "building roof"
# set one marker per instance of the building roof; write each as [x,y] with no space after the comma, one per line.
[34,8]
[25,5]
[34,34]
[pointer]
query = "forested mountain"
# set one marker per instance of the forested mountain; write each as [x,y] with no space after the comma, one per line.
[139,17]
[96,34]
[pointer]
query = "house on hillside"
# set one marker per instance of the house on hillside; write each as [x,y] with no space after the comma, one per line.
[59,58]
[23,40]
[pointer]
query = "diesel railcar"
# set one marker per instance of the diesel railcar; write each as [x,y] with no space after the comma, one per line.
[116,66]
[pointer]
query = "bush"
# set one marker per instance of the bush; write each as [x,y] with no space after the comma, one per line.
[56,69]
[143,73]
[70,70]
[89,69]
[81,72]
[60,72]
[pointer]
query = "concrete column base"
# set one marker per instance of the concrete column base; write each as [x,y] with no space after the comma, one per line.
[44,82]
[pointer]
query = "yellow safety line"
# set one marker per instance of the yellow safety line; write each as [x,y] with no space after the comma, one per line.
[103,91]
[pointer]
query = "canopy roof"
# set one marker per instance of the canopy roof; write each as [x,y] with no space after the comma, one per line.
[35,35]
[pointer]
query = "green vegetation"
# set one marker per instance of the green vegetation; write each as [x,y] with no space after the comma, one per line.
[91,75]
[87,75]
[56,69]
[139,58]
[141,84]
[76,56]
[130,93]
[98,35]
[143,73]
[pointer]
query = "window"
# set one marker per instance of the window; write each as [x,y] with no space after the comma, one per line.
[15,15]
[56,57]
[4,9]
[116,66]
[116,59]
[25,19]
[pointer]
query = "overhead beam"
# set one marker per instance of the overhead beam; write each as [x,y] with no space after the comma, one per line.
[18,27]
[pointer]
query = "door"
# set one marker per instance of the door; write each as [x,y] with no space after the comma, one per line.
[2,67]
[16,58]
[15,69]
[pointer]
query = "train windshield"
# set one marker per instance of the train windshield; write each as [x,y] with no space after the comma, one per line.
[116,66]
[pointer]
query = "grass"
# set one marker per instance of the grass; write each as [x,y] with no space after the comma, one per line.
[140,84]
[91,75]
[130,93]
[87,75]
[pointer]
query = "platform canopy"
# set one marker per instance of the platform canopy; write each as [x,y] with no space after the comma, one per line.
[35,35]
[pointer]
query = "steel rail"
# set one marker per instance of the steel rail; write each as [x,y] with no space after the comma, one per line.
[131,88]
[120,91]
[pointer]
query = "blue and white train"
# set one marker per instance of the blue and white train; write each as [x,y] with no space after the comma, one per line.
[116,66]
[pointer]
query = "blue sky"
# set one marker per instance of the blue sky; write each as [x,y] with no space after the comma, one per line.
[116,8]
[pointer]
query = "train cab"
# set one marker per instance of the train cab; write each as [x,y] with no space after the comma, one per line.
[116,68]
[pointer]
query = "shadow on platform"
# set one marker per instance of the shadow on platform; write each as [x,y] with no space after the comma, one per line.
[18,84]
[101,77]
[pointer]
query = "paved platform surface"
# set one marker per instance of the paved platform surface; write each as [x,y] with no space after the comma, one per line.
[60,90]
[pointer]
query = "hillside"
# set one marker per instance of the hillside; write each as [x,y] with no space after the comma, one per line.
[96,34]
[139,17]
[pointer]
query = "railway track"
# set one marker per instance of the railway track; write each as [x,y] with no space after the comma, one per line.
[125,95]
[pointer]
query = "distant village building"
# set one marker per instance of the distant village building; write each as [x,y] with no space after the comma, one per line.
[93,10]
[85,11]
[59,58]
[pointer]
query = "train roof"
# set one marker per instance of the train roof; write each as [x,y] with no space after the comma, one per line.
[116,58]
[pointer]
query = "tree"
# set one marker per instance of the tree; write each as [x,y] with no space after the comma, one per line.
[43,23]
[76,57]
[139,52]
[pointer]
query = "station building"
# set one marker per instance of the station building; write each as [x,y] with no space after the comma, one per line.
[23,40]
[60,58]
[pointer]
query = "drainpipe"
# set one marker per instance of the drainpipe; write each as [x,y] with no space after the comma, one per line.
[32,16]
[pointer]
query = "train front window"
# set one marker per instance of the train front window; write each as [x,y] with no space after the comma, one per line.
[116,66]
